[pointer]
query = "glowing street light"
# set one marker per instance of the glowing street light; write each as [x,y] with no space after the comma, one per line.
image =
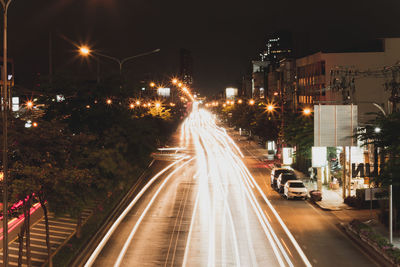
[35,124]
[240,101]
[158,105]
[251,102]
[152,84]
[138,102]
[29,104]
[109,101]
[174,81]
[131,105]
[307,111]
[180,84]
[84,50]
[270,108]
[377,130]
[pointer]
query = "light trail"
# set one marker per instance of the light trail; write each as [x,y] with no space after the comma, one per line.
[224,168]
[130,237]
[220,162]
[283,225]
[107,236]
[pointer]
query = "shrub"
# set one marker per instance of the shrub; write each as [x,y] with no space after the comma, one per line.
[381,242]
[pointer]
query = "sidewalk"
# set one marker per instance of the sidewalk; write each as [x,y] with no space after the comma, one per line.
[331,199]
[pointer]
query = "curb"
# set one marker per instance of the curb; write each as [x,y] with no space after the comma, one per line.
[318,203]
[367,249]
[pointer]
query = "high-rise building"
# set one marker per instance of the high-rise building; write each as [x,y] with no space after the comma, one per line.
[186,66]
[278,47]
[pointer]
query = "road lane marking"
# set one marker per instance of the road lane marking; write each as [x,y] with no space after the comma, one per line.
[288,250]
[180,223]
[269,218]
[185,256]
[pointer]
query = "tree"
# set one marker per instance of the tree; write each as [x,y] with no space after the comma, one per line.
[299,132]
[383,134]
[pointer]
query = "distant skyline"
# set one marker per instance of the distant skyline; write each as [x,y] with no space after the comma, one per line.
[223,36]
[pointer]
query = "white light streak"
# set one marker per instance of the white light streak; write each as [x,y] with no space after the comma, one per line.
[130,237]
[220,165]
[107,236]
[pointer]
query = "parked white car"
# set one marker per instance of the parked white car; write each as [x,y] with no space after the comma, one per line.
[295,189]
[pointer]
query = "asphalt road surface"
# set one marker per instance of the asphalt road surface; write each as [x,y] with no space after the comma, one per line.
[212,206]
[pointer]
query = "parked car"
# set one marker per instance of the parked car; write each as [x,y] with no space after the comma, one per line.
[294,189]
[275,174]
[282,179]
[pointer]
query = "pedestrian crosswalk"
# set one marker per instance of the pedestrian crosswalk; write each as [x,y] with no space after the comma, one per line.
[61,230]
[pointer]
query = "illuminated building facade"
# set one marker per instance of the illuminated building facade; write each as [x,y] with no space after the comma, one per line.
[186,66]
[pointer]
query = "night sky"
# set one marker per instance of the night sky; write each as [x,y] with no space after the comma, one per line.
[222,35]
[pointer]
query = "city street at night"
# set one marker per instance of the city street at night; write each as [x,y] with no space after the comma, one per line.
[179,133]
[208,209]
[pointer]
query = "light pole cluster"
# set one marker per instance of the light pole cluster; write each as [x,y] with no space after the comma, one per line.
[269,106]
[185,89]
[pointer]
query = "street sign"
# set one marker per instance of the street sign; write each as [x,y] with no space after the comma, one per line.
[319,156]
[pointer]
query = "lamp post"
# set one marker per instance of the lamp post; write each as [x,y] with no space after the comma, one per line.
[85,51]
[377,130]
[5,4]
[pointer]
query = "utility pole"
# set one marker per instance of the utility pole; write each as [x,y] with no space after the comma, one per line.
[5,4]
[50,58]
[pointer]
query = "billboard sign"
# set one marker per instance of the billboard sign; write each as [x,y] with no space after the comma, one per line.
[164,92]
[231,93]
[287,155]
[319,155]
[334,125]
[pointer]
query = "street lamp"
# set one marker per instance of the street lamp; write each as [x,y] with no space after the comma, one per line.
[251,102]
[270,108]
[307,111]
[5,4]
[29,104]
[85,51]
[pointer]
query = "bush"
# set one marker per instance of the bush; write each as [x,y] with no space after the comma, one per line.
[381,242]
